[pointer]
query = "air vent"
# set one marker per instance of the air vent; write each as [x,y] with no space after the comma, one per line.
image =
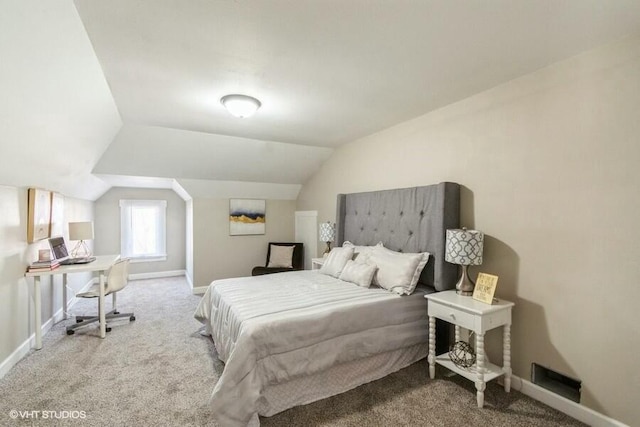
[556,382]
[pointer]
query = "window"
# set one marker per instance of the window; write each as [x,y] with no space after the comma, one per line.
[143,229]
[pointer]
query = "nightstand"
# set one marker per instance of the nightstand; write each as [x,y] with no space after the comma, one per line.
[316,263]
[465,312]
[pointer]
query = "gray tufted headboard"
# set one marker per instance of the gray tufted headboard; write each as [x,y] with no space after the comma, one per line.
[405,220]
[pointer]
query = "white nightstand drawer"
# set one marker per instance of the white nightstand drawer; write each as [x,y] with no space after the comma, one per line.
[495,319]
[451,315]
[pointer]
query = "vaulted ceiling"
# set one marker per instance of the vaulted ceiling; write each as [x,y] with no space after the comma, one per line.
[120,92]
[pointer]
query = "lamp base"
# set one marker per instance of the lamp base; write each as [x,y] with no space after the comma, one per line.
[465,285]
[81,250]
[326,251]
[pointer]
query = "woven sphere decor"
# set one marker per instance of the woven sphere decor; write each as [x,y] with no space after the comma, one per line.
[462,354]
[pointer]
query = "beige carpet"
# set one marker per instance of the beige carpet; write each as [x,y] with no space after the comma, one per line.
[159,371]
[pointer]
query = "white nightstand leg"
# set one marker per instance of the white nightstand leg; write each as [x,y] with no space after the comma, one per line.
[432,347]
[457,329]
[506,356]
[480,385]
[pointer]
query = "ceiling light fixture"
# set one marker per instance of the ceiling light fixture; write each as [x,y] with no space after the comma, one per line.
[240,105]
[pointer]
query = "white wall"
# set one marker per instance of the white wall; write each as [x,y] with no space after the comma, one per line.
[16,298]
[549,165]
[107,227]
[217,255]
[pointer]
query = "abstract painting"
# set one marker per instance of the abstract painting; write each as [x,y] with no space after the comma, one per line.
[246,217]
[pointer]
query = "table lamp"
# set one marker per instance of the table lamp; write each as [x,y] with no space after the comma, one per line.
[327,235]
[464,247]
[81,231]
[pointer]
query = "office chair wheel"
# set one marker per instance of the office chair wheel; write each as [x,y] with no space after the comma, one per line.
[132,318]
[108,329]
[71,332]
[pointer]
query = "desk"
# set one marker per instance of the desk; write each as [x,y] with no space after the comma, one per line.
[101,265]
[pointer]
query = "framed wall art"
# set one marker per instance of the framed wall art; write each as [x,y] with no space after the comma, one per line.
[39,211]
[56,227]
[247,217]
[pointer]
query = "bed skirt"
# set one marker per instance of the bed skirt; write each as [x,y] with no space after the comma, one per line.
[338,379]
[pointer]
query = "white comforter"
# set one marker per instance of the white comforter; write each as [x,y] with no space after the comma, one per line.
[273,328]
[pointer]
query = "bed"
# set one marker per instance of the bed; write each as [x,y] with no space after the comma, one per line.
[292,338]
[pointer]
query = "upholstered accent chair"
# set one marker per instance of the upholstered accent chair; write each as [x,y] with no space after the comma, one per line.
[282,257]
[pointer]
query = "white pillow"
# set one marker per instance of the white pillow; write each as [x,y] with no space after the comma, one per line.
[336,261]
[359,273]
[361,253]
[281,256]
[398,272]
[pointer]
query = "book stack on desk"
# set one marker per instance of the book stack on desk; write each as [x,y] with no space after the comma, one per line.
[43,266]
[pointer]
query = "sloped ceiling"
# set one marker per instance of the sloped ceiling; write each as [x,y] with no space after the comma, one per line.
[133,98]
[57,115]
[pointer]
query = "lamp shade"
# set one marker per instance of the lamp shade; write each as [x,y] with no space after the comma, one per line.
[81,230]
[327,232]
[464,246]
[240,105]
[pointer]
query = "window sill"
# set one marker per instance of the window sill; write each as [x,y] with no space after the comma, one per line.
[159,258]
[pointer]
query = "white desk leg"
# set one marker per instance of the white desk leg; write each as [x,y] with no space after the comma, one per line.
[506,356]
[432,347]
[37,307]
[103,320]
[457,334]
[480,384]
[64,296]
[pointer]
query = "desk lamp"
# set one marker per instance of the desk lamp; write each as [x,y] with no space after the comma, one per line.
[81,231]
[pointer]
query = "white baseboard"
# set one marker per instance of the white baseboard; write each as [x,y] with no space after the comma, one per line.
[23,349]
[562,404]
[200,290]
[157,274]
[16,356]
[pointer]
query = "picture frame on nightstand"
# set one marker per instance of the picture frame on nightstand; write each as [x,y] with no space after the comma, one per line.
[485,288]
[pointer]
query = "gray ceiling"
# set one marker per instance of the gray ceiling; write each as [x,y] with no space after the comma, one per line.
[329,71]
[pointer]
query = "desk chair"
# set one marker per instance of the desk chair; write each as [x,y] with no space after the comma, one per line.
[116,280]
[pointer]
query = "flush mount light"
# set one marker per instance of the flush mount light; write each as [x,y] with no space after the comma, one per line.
[240,105]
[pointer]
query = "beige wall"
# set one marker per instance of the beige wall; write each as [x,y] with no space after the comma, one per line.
[217,255]
[549,165]
[16,304]
[107,226]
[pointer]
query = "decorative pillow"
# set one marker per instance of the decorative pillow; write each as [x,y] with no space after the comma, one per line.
[398,272]
[361,253]
[336,261]
[281,256]
[359,273]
